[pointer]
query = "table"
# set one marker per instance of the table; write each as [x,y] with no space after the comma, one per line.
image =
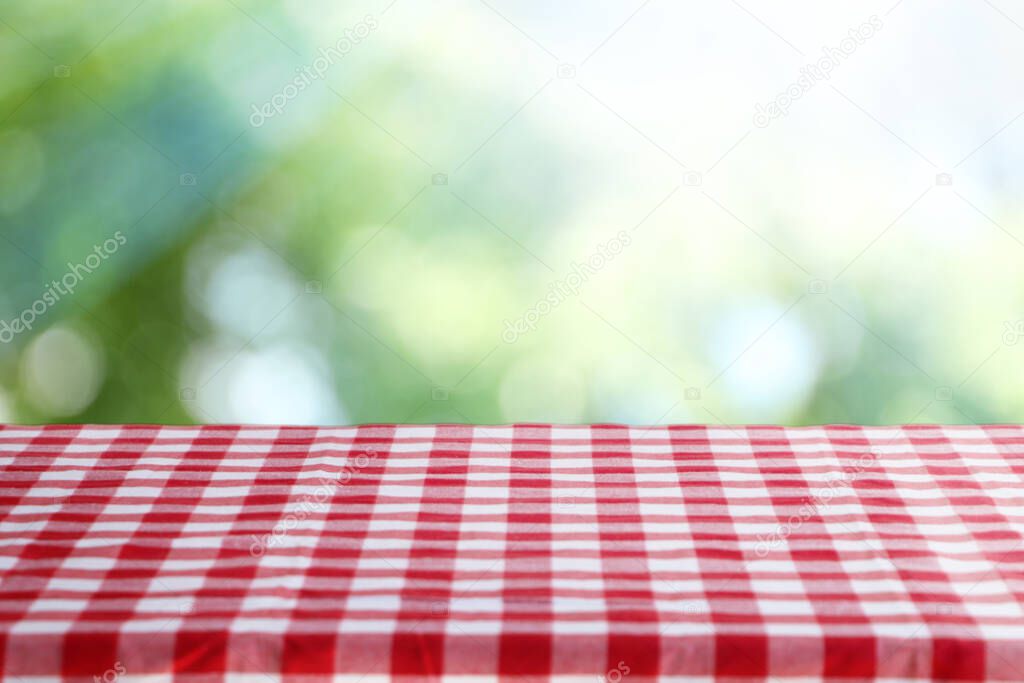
[597,553]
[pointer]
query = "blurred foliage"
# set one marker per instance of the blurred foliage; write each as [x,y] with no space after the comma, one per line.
[356,258]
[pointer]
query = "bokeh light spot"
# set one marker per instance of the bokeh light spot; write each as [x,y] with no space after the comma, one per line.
[61,371]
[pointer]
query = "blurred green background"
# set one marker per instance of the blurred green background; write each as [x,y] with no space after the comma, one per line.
[356,249]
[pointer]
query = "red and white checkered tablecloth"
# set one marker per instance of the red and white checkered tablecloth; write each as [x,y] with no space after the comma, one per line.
[622,554]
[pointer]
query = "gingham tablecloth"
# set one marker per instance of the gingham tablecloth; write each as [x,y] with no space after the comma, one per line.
[605,553]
